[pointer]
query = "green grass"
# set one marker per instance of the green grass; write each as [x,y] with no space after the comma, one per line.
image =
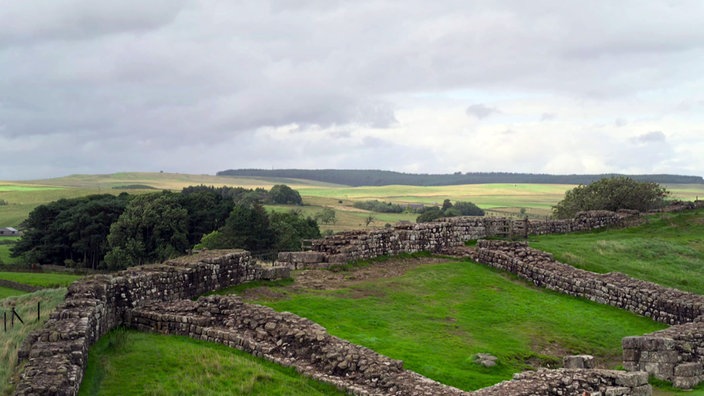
[7,292]
[26,306]
[126,362]
[436,317]
[668,250]
[40,279]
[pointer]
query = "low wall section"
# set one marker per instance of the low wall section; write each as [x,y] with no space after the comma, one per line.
[297,342]
[440,235]
[675,354]
[56,354]
[663,304]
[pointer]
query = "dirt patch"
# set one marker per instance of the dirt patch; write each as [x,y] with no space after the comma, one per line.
[322,279]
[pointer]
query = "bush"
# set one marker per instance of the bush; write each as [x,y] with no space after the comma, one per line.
[379,206]
[611,194]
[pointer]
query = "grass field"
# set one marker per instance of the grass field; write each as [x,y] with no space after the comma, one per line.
[40,279]
[131,363]
[10,341]
[437,316]
[668,250]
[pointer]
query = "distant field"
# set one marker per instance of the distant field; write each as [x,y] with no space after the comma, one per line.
[535,200]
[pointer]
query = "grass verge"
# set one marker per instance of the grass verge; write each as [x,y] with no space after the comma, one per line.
[668,250]
[10,341]
[126,362]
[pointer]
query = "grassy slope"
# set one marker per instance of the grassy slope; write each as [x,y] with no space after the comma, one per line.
[26,305]
[435,318]
[132,363]
[669,250]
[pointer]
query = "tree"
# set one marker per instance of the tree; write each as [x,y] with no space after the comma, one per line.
[153,227]
[248,228]
[291,228]
[70,230]
[429,214]
[468,209]
[611,194]
[282,194]
[326,216]
[207,207]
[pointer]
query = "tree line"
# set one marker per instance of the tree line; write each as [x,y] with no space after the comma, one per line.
[113,232]
[368,177]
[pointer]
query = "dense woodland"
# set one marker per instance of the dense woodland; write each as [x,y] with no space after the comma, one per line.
[107,231]
[353,177]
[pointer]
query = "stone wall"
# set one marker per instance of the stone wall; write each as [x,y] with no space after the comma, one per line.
[675,354]
[286,339]
[56,354]
[440,235]
[297,342]
[660,303]
[572,382]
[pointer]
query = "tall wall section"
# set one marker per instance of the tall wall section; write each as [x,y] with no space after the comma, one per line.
[56,354]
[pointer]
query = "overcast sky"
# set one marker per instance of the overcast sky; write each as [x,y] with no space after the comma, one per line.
[415,86]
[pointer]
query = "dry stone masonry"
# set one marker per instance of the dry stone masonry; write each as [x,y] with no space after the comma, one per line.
[56,354]
[663,304]
[675,354]
[440,235]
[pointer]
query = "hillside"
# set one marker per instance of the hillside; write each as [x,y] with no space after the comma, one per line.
[368,177]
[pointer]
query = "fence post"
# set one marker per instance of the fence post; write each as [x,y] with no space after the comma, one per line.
[39,310]
[4,321]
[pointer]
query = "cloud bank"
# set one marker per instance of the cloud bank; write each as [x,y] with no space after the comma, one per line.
[199,86]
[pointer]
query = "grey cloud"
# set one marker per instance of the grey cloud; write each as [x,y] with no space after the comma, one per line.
[480,111]
[547,117]
[175,73]
[620,122]
[650,137]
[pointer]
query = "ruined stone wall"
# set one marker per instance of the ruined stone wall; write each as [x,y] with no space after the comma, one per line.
[572,382]
[439,235]
[297,342]
[56,354]
[286,339]
[663,304]
[675,354]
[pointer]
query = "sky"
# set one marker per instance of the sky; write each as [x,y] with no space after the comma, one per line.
[198,86]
